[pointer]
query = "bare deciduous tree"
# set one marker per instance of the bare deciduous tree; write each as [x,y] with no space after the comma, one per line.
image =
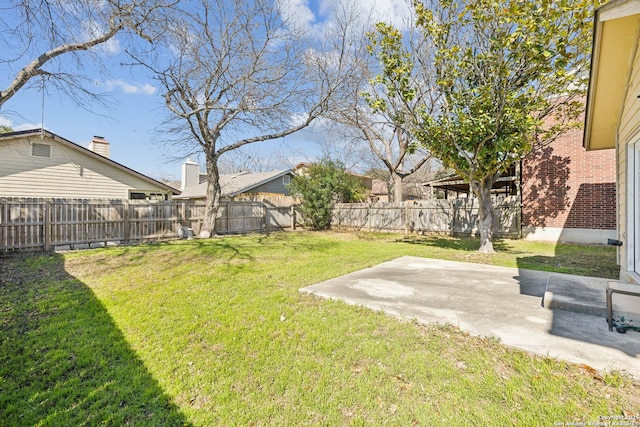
[239,74]
[249,160]
[34,34]
[380,112]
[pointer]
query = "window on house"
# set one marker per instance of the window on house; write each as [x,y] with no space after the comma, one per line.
[40,150]
[141,195]
[286,180]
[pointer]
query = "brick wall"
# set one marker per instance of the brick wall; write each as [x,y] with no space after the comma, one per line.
[564,186]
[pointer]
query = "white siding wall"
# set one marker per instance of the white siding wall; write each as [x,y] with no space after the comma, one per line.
[68,173]
[630,116]
[621,194]
[628,133]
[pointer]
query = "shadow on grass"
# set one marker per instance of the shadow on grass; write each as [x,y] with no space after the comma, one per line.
[221,249]
[229,248]
[298,240]
[584,260]
[468,244]
[63,361]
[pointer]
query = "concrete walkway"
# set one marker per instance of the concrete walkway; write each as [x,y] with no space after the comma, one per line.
[556,315]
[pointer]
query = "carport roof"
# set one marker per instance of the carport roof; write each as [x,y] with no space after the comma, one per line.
[456,184]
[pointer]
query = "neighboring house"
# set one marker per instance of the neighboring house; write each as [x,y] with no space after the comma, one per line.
[567,194]
[240,186]
[379,191]
[37,163]
[453,186]
[301,168]
[612,118]
[376,188]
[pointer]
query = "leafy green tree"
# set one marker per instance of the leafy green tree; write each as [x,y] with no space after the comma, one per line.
[320,187]
[5,129]
[505,75]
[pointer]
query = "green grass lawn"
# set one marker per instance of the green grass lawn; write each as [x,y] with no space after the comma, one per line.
[215,332]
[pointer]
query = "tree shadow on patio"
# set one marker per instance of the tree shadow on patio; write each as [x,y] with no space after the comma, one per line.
[63,360]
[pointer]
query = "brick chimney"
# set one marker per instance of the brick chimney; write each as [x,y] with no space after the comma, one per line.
[99,145]
[190,174]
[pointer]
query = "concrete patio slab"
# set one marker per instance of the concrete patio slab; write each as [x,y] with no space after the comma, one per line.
[506,303]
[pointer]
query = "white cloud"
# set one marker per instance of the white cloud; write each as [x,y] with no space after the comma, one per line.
[182,40]
[319,15]
[395,12]
[93,29]
[297,119]
[296,13]
[111,46]
[24,126]
[5,122]
[318,124]
[130,88]
[27,126]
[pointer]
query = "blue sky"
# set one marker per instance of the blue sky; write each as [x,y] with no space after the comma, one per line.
[127,123]
[136,109]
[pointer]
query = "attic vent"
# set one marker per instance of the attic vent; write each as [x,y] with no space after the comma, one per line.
[40,150]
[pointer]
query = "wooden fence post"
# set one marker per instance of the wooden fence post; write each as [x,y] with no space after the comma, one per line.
[454,215]
[227,219]
[47,225]
[127,222]
[405,217]
[293,217]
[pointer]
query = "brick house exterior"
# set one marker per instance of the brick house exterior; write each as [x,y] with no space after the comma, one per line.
[568,193]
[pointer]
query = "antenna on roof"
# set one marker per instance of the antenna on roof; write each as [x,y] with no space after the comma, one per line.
[42,112]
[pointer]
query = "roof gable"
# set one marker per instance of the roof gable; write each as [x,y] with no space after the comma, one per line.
[45,133]
[235,184]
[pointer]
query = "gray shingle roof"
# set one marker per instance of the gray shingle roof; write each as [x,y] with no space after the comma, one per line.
[234,184]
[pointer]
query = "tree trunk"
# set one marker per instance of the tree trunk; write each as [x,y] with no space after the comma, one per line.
[486,212]
[212,201]
[396,187]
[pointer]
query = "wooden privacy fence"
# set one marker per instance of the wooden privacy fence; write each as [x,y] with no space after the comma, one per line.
[453,216]
[44,224]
